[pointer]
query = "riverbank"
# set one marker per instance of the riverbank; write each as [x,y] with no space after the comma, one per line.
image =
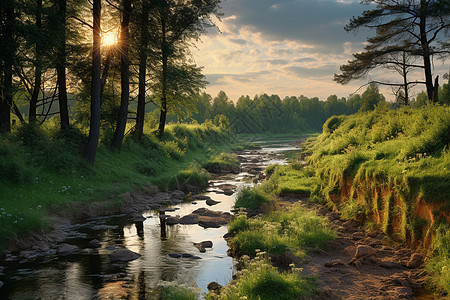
[43,175]
[385,176]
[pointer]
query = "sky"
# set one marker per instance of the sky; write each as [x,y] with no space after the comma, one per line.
[284,47]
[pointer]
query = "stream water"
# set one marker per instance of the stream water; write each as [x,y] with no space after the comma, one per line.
[89,274]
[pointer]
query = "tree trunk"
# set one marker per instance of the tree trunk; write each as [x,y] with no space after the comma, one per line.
[125,76]
[140,114]
[38,65]
[405,78]
[6,85]
[61,68]
[164,53]
[426,49]
[94,130]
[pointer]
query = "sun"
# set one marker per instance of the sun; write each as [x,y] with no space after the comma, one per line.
[109,39]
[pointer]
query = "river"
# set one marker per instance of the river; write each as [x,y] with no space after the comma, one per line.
[90,274]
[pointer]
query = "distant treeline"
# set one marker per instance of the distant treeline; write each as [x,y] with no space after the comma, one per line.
[271,114]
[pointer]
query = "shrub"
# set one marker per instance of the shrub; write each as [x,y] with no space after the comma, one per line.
[260,280]
[250,198]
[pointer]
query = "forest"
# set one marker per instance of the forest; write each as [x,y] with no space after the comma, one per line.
[122,177]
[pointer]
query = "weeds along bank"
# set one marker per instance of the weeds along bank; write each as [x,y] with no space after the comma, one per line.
[42,171]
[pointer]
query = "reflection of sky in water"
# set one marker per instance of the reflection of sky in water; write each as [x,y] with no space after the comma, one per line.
[94,276]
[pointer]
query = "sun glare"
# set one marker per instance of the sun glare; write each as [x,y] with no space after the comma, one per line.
[109,39]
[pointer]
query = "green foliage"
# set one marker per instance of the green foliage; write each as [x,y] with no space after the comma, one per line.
[438,265]
[216,163]
[280,231]
[260,280]
[250,198]
[174,291]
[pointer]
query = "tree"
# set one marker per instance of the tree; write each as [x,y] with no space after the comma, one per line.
[94,129]
[143,55]
[371,98]
[411,26]
[124,75]
[61,64]
[175,23]
[7,53]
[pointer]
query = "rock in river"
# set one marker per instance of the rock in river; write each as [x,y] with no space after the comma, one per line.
[124,255]
[211,202]
[66,249]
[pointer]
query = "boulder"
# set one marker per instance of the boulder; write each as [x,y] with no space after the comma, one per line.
[364,250]
[211,202]
[203,245]
[189,220]
[66,249]
[350,251]
[214,287]
[173,221]
[124,255]
[415,261]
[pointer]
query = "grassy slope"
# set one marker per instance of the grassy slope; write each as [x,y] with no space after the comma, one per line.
[41,171]
[383,166]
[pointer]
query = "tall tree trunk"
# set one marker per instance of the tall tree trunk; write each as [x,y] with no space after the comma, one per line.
[38,65]
[405,78]
[164,53]
[61,67]
[94,130]
[140,114]
[125,76]
[6,85]
[426,49]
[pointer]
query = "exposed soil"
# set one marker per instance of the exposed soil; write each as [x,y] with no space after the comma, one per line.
[363,265]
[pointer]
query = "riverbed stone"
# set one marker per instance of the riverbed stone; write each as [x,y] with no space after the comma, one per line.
[189,220]
[124,255]
[211,202]
[173,221]
[201,197]
[66,249]
[95,243]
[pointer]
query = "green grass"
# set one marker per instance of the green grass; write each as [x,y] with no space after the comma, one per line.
[216,163]
[250,198]
[260,280]
[438,266]
[41,170]
[280,231]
